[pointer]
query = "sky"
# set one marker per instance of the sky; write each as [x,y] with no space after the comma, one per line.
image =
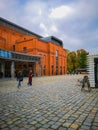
[75,22]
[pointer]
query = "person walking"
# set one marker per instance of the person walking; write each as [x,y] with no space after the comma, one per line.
[19,79]
[30,78]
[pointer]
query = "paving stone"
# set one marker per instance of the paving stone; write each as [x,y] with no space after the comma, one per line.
[5,128]
[62,128]
[52,103]
[87,123]
[55,118]
[58,123]
[85,127]
[38,125]
[66,124]
[46,126]
[1,122]
[95,124]
[42,129]
[94,128]
[70,129]
[22,129]
[51,122]
[61,120]
[3,125]
[74,126]
[54,126]
[15,128]
[33,122]
[32,128]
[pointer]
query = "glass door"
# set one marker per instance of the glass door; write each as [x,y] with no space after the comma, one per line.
[96,72]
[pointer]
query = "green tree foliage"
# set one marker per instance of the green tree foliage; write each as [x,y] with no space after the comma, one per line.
[82,58]
[76,60]
[71,60]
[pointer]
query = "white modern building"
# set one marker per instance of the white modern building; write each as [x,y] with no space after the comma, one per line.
[93,69]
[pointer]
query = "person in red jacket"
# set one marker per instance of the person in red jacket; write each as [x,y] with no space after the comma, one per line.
[30,78]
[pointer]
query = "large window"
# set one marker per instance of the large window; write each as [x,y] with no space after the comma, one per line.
[56,62]
[24,49]
[14,48]
[60,69]
[52,69]
[56,53]
[44,70]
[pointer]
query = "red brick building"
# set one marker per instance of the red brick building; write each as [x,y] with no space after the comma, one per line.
[48,57]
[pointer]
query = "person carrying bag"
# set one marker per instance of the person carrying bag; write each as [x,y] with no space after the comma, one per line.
[19,79]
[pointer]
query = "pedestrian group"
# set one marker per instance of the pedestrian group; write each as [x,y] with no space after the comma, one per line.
[20,78]
[84,81]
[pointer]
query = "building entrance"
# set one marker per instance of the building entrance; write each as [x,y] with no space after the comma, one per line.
[12,62]
[25,68]
[96,72]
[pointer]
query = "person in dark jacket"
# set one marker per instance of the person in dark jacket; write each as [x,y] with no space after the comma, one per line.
[30,78]
[86,81]
[19,78]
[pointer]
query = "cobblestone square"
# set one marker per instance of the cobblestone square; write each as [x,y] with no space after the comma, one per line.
[51,103]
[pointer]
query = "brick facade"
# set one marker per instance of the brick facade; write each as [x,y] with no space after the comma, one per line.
[16,40]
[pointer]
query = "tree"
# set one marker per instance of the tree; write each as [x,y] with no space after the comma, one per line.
[76,60]
[71,61]
[82,58]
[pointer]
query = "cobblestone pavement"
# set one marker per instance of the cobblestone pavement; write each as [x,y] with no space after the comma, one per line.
[51,103]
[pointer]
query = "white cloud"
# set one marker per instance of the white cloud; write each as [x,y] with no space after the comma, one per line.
[85,9]
[48,30]
[71,42]
[61,12]
[74,22]
[43,27]
[53,28]
[40,12]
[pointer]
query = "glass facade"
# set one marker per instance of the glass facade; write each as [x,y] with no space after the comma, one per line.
[18,56]
[5,54]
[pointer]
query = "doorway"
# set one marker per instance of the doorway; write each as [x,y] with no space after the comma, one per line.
[96,72]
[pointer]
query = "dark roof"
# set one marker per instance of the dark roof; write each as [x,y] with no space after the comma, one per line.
[53,40]
[18,28]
